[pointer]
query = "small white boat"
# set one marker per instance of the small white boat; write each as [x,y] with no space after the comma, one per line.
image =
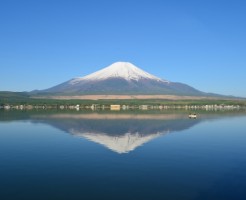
[192,116]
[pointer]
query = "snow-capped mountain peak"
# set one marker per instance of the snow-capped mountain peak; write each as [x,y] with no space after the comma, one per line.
[124,70]
[121,78]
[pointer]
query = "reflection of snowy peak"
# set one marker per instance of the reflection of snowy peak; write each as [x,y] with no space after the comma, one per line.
[120,144]
[121,133]
[124,70]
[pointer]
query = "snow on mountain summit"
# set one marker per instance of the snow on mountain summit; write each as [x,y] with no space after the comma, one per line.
[121,78]
[123,70]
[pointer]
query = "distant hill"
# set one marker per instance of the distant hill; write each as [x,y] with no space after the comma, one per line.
[11,97]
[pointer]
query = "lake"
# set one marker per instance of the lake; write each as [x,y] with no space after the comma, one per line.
[122,155]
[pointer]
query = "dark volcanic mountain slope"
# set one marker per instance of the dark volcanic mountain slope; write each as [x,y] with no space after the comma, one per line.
[121,78]
[122,86]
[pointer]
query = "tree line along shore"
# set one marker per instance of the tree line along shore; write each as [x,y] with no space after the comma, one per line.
[124,105]
[23,101]
[121,107]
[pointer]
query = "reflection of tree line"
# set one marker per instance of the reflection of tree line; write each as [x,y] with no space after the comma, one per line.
[169,114]
[113,123]
[120,116]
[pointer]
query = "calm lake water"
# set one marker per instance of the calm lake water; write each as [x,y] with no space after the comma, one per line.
[127,155]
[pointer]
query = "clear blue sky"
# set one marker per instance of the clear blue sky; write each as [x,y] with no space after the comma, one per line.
[198,42]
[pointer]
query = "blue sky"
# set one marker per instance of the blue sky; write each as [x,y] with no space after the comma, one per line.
[201,43]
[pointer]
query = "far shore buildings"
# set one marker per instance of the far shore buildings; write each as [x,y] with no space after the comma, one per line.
[123,107]
[114,107]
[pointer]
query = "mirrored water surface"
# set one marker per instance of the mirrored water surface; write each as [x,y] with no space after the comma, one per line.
[122,155]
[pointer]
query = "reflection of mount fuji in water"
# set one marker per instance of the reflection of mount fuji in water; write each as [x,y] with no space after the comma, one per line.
[120,133]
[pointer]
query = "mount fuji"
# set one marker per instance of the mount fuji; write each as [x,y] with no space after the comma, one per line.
[121,78]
